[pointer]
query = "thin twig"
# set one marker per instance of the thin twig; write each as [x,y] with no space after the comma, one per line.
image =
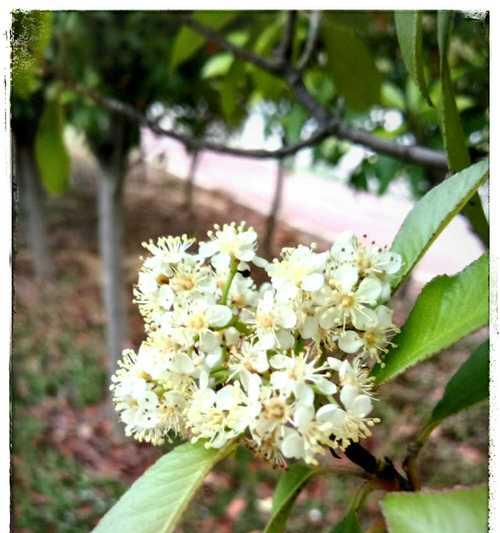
[284,52]
[312,39]
[238,51]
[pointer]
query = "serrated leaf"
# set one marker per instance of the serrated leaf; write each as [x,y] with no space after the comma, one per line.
[468,386]
[349,524]
[188,41]
[454,511]
[451,126]
[409,31]
[447,309]
[351,64]
[289,486]
[50,150]
[432,214]
[156,501]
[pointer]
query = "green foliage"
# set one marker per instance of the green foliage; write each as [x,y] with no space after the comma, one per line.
[348,524]
[50,151]
[350,61]
[433,213]
[409,30]
[31,33]
[455,511]
[289,486]
[451,125]
[188,42]
[156,501]
[468,386]
[448,308]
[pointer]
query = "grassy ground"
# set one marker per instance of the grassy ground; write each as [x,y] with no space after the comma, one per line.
[70,464]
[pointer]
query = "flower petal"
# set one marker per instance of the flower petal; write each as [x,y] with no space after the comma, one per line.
[313,282]
[350,342]
[219,315]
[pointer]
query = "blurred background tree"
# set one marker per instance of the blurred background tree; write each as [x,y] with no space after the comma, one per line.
[159,67]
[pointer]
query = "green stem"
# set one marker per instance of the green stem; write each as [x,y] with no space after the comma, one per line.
[410,464]
[233,268]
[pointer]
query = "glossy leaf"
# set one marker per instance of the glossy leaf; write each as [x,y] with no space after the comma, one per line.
[451,126]
[188,42]
[409,31]
[447,309]
[454,511]
[433,213]
[50,151]
[351,65]
[467,387]
[349,524]
[289,486]
[156,501]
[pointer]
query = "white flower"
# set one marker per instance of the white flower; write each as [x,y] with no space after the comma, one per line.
[299,375]
[247,358]
[310,438]
[196,319]
[349,423]
[273,320]
[218,416]
[299,268]
[351,304]
[243,292]
[229,242]
[373,341]
[225,359]
[167,250]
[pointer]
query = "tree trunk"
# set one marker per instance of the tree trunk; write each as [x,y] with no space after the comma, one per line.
[111,222]
[275,207]
[32,202]
[189,186]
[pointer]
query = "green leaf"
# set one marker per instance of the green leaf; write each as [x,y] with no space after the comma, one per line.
[468,386]
[31,34]
[454,511]
[156,501]
[50,151]
[218,65]
[188,42]
[409,30]
[348,524]
[354,73]
[432,214]
[392,96]
[451,126]
[447,309]
[289,486]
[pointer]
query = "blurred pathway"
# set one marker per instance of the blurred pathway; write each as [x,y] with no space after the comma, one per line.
[318,206]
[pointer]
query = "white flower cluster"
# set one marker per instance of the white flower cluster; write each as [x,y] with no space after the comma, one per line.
[283,367]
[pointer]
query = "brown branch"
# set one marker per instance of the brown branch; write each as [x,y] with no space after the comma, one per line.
[328,123]
[285,50]
[312,39]
[413,154]
[383,473]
